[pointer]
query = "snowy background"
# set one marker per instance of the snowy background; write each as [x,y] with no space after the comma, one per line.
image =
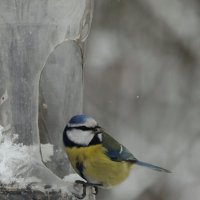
[142,85]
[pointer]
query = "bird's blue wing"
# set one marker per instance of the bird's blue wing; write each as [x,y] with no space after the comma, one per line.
[115,151]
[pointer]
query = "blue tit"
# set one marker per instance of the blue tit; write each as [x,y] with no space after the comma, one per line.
[96,156]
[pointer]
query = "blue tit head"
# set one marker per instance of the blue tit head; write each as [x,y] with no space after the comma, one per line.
[82,130]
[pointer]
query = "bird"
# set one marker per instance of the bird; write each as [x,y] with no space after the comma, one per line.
[96,156]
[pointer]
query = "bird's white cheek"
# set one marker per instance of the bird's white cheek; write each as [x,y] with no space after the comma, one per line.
[100,137]
[80,137]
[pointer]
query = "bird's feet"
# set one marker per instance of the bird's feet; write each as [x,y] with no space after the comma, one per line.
[85,184]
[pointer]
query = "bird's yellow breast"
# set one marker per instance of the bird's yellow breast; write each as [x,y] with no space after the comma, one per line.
[97,167]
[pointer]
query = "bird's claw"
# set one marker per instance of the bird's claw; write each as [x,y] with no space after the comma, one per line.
[79,182]
[85,184]
[95,190]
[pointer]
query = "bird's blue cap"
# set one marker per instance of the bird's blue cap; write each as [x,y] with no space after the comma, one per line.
[82,119]
[79,119]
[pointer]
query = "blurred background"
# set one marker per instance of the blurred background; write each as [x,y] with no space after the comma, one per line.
[142,84]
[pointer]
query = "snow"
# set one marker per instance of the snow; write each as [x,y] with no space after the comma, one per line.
[47,152]
[18,161]
[14,159]
[19,166]
[72,178]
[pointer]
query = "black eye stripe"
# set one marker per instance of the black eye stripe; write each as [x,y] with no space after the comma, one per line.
[83,128]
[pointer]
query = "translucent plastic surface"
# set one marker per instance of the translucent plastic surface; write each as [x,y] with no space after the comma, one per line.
[35,35]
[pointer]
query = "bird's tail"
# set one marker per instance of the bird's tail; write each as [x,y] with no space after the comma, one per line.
[154,167]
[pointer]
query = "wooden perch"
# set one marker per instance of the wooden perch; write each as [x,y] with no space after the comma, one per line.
[13,193]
